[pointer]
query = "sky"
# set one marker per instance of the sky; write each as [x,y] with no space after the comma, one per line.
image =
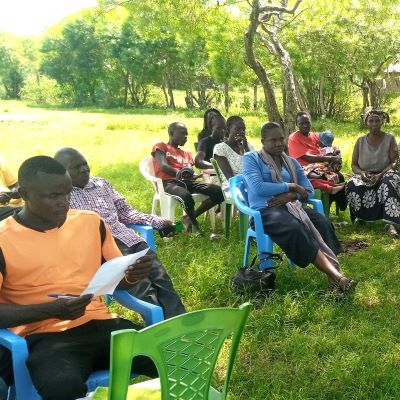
[33,17]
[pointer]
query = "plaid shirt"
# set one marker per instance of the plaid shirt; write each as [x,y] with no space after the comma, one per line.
[99,196]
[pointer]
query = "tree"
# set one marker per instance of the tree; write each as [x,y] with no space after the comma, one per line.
[17,63]
[75,60]
[266,21]
[256,65]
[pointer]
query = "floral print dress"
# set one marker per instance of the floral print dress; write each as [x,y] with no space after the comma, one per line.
[372,203]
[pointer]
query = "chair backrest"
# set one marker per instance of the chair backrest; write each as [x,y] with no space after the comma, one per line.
[185,350]
[217,170]
[239,193]
[147,170]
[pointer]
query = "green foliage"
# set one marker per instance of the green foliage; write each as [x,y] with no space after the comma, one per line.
[17,62]
[40,90]
[75,60]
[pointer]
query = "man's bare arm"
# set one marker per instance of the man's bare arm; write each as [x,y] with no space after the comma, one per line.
[64,309]
[162,162]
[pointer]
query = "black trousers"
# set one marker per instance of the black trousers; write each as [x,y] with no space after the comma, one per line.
[158,288]
[182,191]
[60,363]
[294,238]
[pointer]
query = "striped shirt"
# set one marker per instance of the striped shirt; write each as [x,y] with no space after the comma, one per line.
[99,196]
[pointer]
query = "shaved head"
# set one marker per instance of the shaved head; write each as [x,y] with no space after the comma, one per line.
[63,155]
[76,165]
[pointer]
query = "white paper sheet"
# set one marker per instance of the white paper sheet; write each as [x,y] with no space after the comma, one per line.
[110,274]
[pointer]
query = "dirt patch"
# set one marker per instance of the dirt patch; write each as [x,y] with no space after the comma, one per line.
[355,245]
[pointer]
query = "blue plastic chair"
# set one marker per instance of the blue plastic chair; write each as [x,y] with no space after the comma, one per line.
[23,388]
[147,233]
[264,242]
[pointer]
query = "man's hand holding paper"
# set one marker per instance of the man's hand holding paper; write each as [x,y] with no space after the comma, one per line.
[121,272]
[139,270]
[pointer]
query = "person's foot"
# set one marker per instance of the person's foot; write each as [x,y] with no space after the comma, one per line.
[392,230]
[341,289]
[337,189]
[187,223]
[196,229]
[347,285]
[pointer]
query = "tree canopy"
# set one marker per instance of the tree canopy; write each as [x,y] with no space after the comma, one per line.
[304,54]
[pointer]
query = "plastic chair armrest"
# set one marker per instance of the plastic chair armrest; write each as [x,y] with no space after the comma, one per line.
[317,204]
[19,350]
[146,232]
[150,312]
[11,341]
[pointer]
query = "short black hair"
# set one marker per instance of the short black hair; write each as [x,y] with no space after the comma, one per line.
[232,120]
[301,114]
[32,166]
[173,126]
[268,126]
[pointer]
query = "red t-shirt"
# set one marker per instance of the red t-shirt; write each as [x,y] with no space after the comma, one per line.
[300,145]
[176,158]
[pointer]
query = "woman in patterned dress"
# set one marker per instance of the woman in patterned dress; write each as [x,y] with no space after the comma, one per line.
[373,192]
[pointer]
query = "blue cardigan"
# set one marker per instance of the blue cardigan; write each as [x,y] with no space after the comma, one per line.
[259,184]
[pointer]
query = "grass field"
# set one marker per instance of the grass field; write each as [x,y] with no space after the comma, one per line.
[297,344]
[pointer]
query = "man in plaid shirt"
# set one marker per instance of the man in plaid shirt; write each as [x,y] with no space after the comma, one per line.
[96,194]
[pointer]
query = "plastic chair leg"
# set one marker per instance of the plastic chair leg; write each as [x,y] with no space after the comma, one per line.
[243,225]
[246,251]
[227,218]
[211,213]
[154,205]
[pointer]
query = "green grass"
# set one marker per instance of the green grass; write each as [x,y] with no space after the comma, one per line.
[297,344]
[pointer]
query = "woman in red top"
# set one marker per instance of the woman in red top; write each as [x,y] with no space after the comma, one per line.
[304,147]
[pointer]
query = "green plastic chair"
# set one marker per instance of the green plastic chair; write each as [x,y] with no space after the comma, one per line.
[229,206]
[185,350]
[324,197]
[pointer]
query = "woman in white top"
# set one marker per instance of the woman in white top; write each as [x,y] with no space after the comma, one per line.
[229,154]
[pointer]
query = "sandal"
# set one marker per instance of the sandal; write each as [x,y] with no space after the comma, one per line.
[392,230]
[347,285]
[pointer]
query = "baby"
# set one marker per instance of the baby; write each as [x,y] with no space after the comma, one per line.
[327,148]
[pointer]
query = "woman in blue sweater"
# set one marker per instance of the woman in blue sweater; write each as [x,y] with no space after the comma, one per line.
[275,184]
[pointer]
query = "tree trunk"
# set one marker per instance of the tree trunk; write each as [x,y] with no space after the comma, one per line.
[291,104]
[365,95]
[374,93]
[165,94]
[271,105]
[321,97]
[255,100]
[226,97]
[170,94]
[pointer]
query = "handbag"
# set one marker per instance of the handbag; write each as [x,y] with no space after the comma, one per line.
[251,280]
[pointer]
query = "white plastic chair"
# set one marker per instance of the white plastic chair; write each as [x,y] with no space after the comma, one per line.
[166,203]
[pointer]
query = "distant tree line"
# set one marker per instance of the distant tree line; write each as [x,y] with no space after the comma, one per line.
[303,54]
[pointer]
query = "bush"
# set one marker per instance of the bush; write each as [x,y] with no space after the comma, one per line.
[41,90]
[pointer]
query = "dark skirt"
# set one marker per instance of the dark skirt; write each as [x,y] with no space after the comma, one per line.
[294,238]
[378,202]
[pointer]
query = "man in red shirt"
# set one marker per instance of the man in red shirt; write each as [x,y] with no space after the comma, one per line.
[174,166]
